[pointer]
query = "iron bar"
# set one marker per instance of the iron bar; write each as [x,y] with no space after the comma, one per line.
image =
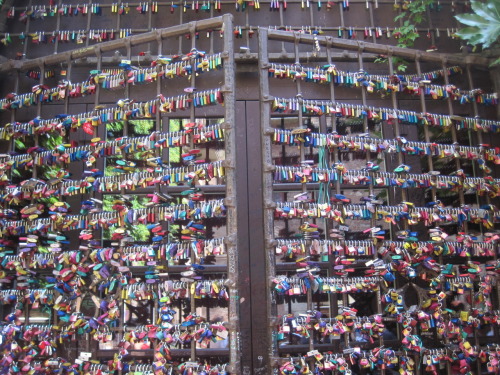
[355,45]
[112,45]
[231,195]
[268,223]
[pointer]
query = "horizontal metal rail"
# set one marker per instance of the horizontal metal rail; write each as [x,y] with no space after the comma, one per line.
[113,45]
[366,47]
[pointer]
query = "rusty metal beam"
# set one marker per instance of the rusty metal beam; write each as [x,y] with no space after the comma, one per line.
[112,45]
[233,266]
[268,307]
[244,60]
[149,353]
[357,45]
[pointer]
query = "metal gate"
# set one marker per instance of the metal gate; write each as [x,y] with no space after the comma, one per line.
[350,289]
[119,296]
[280,204]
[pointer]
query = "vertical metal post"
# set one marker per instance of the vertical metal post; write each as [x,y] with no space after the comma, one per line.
[334,303]
[97,99]
[158,119]
[369,4]
[118,16]
[159,43]
[363,100]
[150,15]
[430,163]
[211,33]
[39,113]
[302,150]
[247,29]
[478,133]
[450,107]
[127,86]
[342,22]
[282,17]
[431,27]
[192,117]
[192,109]
[26,31]
[58,28]
[395,106]
[231,194]
[69,66]
[13,115]
[397,130]
[300,103]
[474,104]
[267,193]
[311,14]
[453,133]
[98,86]
[89,22]
[182,9]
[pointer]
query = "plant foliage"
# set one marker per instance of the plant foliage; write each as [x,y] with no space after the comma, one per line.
[142,127]
[139,232]
[483,25]
[412,15]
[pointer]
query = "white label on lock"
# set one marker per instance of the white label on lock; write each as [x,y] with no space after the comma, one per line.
[223,334]
[312,353]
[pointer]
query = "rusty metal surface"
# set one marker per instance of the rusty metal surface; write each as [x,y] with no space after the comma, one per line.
[251,262]
[273,154]
[269,308]
[226,82]
[367,47]
[112,45]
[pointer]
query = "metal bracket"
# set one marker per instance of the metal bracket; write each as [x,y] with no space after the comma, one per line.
[270,205]
[267,98]
[271,243]
[229,202]
[269,168]
[225,89]
[227,164]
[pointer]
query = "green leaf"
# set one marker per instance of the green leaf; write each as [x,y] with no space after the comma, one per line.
[494,7]
[142,127]
[482,11]
[400,16]
[472,20]
[484,23]
[471,34]
[140,232]
[380,60]
[496,62]
[412,18]
[19,144]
